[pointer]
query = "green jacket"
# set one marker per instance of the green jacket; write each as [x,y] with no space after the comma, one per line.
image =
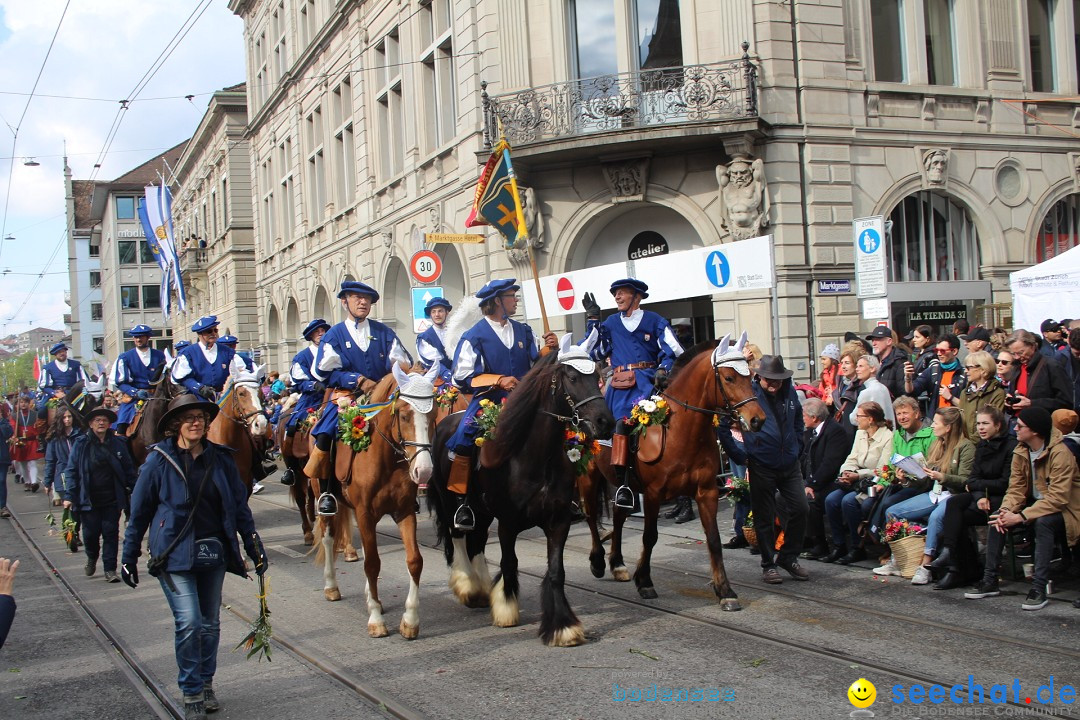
[919,443]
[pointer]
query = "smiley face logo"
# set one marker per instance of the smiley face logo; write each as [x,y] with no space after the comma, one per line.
[862,693]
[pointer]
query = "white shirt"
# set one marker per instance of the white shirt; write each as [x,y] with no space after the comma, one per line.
[428,351]
[182,368]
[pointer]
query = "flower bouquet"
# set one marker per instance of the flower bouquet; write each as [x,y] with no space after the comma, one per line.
[907,540]
[447,395]
[257,641]
[485,419]
[354,429]
[737,488]
[69,530]
[308,421]
[647,412]
[579,449]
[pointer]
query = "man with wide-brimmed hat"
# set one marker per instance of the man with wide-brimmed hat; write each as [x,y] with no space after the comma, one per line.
[99,478]
[642,348]
[59,374]
[430,344]
[352,357]
[203,368]
[772,455]
[311,390]
[491,357]
[133,372]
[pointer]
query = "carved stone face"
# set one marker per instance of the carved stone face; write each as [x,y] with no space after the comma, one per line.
[741,174]
[935,167]
[626,182]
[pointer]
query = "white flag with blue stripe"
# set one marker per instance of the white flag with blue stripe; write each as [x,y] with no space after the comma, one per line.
[159,212]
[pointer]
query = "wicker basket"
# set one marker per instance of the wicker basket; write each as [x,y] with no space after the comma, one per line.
[908,553]
[750,534]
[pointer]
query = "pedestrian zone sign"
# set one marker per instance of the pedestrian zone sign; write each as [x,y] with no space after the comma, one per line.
[420,297]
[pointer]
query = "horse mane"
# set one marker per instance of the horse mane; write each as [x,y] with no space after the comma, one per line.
[518,416]
[687,357]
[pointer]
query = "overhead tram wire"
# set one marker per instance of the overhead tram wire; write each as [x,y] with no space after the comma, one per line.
[15,130]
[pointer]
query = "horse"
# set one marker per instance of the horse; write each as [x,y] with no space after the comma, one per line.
[294,453]
[383,480]
[526,480]
[142,432]
[241,424]
[682,458]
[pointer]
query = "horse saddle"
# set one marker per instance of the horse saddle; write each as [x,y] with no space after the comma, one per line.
[133,428]
[650,447]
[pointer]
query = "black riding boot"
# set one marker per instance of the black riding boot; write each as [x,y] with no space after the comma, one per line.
[620,456]
[464,520]
[686,514]
[327,501]
[288,477]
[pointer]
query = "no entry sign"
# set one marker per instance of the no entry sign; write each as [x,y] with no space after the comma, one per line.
[425,266]
[564,290]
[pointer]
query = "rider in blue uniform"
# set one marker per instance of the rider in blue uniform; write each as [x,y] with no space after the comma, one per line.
[642,348]
[501,349]
[203,368]
[311,390]
[430,343]
[134,370]
[353,356]
[230,341]
[59,375]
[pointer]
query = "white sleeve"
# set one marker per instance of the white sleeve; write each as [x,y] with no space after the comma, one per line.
[298,373]
[119,373]
[237,366]
[465,367]
[181,368]
[399,354]
[330,361]
[672,342]
[427,352]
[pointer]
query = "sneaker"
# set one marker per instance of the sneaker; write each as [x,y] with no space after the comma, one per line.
[194,710]
[986,588]
[210,700]
[922,576]
[4,512]
[110,576]
[771,576]
[91,567]
[257,488]
[889,568]
[1035,600]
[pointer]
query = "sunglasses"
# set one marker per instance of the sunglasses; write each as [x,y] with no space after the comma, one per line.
[970,367]
[939,351]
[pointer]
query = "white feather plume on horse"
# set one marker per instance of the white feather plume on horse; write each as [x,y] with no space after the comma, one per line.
[461,318]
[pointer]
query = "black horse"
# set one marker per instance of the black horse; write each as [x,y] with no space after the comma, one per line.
[525,480]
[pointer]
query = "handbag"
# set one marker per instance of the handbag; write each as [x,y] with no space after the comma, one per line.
[209,554]
[623,379]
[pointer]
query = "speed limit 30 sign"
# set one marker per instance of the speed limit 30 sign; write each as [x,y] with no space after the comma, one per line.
[425,266]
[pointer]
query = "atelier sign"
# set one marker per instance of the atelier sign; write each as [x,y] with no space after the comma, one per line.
[647,244]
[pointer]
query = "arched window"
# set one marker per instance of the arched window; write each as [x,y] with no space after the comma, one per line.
[1059,229]
[931,238]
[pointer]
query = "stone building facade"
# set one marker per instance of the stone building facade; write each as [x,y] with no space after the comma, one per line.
[368,122]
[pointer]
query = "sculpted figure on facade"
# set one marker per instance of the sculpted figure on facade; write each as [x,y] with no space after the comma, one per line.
[936,164]
[627,179]
[744,202]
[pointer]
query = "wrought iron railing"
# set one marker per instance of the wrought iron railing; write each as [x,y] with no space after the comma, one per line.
[648,98]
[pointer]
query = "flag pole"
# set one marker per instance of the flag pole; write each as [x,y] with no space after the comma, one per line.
[523,231]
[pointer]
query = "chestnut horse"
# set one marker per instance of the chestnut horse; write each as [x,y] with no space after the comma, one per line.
[680,459]
[526,480]
[294,453]
[382,480]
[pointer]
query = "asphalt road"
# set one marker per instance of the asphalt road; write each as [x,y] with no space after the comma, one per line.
[791,653]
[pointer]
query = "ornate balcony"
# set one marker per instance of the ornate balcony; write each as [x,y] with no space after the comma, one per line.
[661,97]
[193,260]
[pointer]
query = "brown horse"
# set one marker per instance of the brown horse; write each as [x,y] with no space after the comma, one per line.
[383,480]
[680,459]
[294,453]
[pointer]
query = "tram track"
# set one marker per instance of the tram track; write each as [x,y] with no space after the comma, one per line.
[157,697]
[908,675]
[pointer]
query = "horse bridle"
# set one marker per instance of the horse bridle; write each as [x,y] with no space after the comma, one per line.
[574,418]
[401,447]
[243,419]
[730,410]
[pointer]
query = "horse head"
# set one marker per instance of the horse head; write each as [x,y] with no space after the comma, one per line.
[242,402]
[735,393]
[580,382]
[415,420]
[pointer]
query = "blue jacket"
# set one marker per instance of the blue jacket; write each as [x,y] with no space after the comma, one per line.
[57,454]
[162,503]
[652,341]
[779,442]
[7,431]
[76,489]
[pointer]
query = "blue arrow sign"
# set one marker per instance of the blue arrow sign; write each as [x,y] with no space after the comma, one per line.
[420,297]
[717,268]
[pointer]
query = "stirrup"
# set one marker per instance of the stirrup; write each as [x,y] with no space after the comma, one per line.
[624,497]
[287,477]
[464,519]
[327,505]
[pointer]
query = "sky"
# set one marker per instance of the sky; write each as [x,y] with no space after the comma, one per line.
[102,50]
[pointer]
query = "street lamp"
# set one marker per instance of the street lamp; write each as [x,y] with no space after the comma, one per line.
[31,162]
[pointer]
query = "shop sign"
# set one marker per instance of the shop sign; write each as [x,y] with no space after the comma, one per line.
[826,287]
[938,314]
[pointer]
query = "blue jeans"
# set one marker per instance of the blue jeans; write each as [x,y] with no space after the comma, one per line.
[843,507]
[742,511]
[196,607]
[920,508]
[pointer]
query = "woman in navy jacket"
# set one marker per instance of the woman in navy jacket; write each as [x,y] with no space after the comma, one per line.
[65,432]
[183,471]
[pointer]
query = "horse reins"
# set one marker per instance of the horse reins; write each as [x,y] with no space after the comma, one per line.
[573,418]
[400,447]
[730,409]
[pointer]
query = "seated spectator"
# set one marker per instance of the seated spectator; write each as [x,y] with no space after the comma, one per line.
[1040,380]
[1044,491]
[873,390]
[948,467]
[982,497]
[872,447]
[826,446]
[939,382]
[983,389]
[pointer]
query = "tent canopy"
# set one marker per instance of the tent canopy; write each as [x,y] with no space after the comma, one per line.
[1050,289]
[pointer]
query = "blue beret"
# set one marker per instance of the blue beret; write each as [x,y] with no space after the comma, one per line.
[437,302]
[180,345]
[355,286]
[633,284]
[205,323]
[493,288]
[228,340]
[57,348]
[140,330]
[313,326]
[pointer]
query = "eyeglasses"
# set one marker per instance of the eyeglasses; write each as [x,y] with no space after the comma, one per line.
[193,419]
[940,351]
[971,367]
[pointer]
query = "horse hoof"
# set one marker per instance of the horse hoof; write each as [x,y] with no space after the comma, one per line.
[332,595]
[409,632]
[597,570]
[351,556]
[476,600]
[647,593]
[567,637]
[377,630]
[309,539]
[730,604]
[621,574]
